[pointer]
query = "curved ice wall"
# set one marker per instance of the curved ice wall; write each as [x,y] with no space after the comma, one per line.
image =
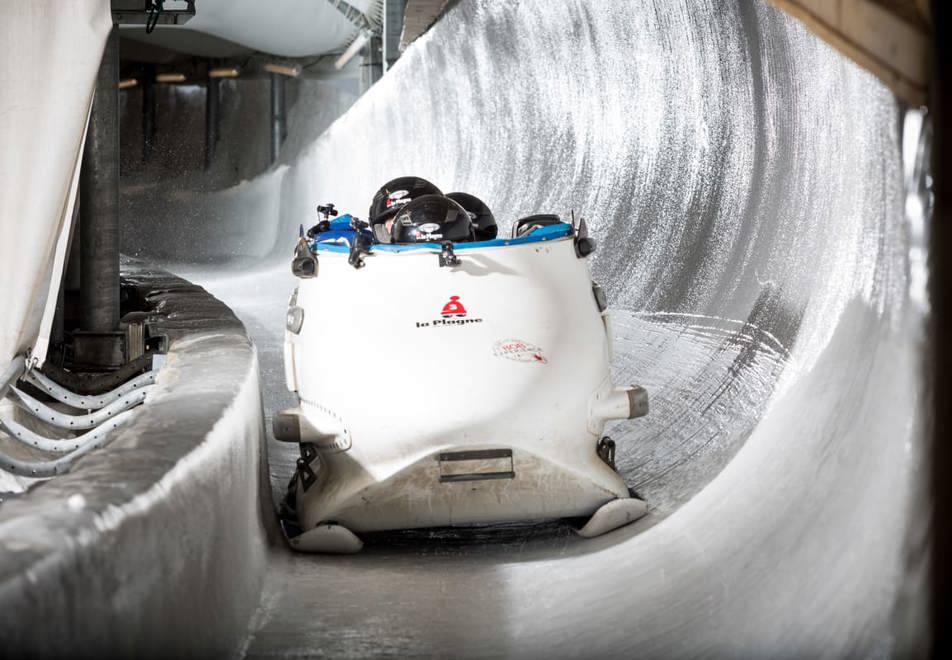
[743,181]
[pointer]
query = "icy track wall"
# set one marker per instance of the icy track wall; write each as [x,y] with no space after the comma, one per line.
[744,184]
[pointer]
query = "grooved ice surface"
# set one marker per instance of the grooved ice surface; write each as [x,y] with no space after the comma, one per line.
[744,184]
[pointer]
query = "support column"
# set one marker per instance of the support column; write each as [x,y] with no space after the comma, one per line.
[279,127]
[70,281]
[212,97]
[99,205]
[371,69]
[73,278]
[148,113]
[393,13]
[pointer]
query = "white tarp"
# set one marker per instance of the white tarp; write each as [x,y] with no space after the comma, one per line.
[52,51]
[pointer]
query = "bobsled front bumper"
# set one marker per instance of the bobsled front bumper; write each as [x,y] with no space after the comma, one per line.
[453,487]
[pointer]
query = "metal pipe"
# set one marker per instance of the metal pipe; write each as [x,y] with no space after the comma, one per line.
[78,422]
[279,129]
[212,97]
[393,13]
[148,113]
[59,319]
[99,192]
[30,438]
[42,469]
[371,69]
[11,374]
[90,401]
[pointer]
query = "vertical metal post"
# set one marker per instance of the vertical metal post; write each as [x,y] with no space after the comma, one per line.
[57,332]
[148,113]
[73,278]
[212,96]
[371,69]
[99,195]
[279,128]
[69,271]
[393,14]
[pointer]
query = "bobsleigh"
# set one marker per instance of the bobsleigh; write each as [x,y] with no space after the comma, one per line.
[445,383]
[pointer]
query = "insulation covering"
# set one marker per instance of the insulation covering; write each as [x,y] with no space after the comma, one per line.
[47,79]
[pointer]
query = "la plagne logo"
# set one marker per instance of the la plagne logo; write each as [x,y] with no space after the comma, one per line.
[453,313]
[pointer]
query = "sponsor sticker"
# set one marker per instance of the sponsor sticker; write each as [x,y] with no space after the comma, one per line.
[446,321]
[453,313]
[429,227]
[519,351]
[453,308]
[397,197]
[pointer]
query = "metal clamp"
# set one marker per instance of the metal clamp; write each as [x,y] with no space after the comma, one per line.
[304,471]
[448,256]
[606,451]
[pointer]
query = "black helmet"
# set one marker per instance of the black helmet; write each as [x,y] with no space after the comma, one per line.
[431,219]
[396,194]
[483,220]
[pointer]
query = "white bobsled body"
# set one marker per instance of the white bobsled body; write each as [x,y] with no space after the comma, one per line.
[452,395]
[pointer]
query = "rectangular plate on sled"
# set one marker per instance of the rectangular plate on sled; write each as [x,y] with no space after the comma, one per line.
[476,465]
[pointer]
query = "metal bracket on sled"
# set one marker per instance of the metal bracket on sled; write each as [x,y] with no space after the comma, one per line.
[305,473]
[361,244]
[606,451]
[584,245]
[305,263]
[447,255]
[293,426]
[616,403]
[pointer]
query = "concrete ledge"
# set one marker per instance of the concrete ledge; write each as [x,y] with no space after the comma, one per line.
[154,545]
